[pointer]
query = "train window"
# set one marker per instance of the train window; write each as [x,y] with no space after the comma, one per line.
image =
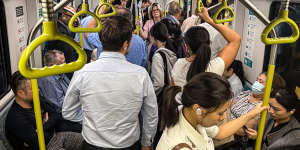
[4,54]
[288,55]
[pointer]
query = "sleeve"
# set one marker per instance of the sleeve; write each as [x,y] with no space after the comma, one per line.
[48,90]
[71,109]
[212,131]
[23,130]
[149,113]
[217,66]
[157,73]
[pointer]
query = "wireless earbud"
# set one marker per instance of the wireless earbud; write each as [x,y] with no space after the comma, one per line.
[198,111]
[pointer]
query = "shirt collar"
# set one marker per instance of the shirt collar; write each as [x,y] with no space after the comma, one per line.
[117,55]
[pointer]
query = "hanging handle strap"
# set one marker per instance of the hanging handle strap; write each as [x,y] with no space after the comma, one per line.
[49,34]
[224,7]
[103,3]
[283,17]
[84,10]
[200,5]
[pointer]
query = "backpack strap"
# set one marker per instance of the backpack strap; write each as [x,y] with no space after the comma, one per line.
[181,145]
[166,77]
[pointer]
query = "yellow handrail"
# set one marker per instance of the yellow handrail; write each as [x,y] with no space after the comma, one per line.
[84,10]
[200,5]
[103,3]
[180,4]
[224,7]
[282,17]
[49,33]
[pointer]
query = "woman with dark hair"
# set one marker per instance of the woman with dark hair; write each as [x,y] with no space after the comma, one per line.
[175,35]
[203,103]
[198,44]
[235,76]
[282,126]
[163,58]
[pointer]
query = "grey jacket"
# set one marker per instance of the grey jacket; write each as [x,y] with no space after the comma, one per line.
[287,138]
[157,68]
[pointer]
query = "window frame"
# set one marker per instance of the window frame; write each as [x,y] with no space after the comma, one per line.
[4,50]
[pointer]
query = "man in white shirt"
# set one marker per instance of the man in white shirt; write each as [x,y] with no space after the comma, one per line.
[108,94]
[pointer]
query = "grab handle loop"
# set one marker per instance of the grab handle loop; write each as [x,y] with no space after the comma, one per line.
[106,15]
[50,33]
[200,5]
[224,7]
[84,10]
[283,17]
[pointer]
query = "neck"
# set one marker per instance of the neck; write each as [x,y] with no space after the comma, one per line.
[160,44]
[191,58]
[156,19]
[187,115]
[256,98]
[23,103]
[282,121]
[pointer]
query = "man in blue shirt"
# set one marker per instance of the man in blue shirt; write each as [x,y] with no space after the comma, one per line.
[54,88]
[86,45]
[137,52]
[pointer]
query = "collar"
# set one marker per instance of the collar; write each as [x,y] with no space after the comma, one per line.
[174,19]
[116,55]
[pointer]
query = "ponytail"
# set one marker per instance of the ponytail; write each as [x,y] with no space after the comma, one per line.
[201,61]
[170,112]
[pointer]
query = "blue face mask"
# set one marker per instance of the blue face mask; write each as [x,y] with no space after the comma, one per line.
[257,87]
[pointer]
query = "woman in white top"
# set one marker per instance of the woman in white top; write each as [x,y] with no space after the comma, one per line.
[204,101]
[198,43]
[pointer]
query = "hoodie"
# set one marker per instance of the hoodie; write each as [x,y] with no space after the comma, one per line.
[157,68]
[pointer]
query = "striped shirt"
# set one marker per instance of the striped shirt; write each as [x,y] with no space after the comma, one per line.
[241,105]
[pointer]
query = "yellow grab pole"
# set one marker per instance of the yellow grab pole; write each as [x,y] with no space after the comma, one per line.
[38,114]
[262,122]
[137,26]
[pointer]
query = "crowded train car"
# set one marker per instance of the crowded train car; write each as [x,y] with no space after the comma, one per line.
[149,75]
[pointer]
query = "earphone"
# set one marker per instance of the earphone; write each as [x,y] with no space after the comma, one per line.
[198,111]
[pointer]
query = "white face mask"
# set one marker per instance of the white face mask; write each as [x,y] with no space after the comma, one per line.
[257,87]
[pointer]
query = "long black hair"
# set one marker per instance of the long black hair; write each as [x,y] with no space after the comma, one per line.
[238,69]
[206,89]
[288,99]
[197,38]
[177,42]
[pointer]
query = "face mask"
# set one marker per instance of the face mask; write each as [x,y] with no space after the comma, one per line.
[257,87]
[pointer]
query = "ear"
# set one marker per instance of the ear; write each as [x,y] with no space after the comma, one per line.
[231,70]
[203,110]
[124,48]
[20,93]
[292,111]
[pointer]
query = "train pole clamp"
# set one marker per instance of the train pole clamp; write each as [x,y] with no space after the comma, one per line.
[282,17]
[84,10]
[49,33]
[200,5]
[218,12]
[103,3]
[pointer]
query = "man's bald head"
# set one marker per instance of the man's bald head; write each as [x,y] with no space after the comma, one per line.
[124,12]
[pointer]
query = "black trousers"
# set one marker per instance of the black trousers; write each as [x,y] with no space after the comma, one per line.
[87,146]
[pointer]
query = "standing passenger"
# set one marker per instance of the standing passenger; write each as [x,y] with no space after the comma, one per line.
[203,103]
[108,94]
[198,42]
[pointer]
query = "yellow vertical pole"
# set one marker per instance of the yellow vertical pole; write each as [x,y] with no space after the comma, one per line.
[137,25]
[38,114]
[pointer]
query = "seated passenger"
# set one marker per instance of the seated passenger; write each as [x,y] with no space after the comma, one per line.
[108,95]
[282,128]
[247,100]
[198,43]
[54,88]
[203,103]
[20,125]
[137,52]
[235,76]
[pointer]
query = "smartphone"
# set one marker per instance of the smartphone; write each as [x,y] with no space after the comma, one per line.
[245,128]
